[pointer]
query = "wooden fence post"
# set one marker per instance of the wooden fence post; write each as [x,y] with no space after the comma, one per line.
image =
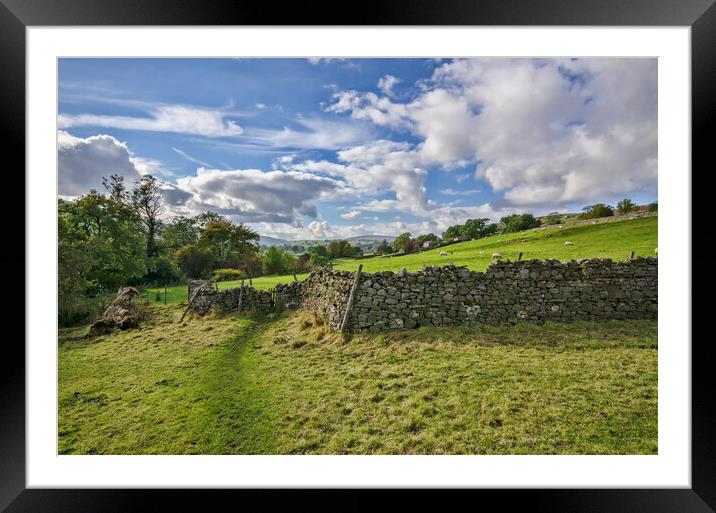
[165,295]
[294,277]
[350,298]
[241,294]
[631,255]
[520,256]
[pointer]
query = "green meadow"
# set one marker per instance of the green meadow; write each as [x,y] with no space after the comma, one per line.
[287,385]
[615,239]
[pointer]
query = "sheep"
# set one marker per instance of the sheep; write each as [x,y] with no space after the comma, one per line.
[569,243]
[496,256]
[443,253]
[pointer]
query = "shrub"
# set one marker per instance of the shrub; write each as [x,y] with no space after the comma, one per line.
[625,206]
[596,211]
[228,274]
[519,222]
[73,309]
[553,218]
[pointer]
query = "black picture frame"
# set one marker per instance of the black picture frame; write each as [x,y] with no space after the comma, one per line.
[700,15]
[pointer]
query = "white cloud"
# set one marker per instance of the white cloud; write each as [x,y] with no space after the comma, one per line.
[387,83]
[353,214]
[190,158]
[83,162]
[162,118]
[252,195]
[545,132]
[464,192]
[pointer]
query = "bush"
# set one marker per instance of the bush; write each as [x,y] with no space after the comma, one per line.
[596,211]
[652,207]
[74,309]
[553,218]
[625,206]
[519,222]
[228,274]
[196,261]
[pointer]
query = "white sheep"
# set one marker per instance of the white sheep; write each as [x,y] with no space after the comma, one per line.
[569,243]
[496,256]
[443,253]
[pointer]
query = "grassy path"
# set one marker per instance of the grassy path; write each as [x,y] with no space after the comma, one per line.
[237,385]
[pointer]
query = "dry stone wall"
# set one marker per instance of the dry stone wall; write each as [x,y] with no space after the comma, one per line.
[507,292]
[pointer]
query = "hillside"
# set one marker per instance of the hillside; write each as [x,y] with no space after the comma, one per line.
[614,239]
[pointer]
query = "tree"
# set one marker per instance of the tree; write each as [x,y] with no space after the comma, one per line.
[453,232]
[625,206]
[107,231]
[428,237]
[278,261]
[652,207]
[179,232]
[231,244]
[321,251]
[147,199]
[404,242]
[596,211]
[383,248]
[553,218]
[340,248]
[519,222]
[196,260]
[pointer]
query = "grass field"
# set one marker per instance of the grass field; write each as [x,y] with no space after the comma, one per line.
[615,240]
[242,385]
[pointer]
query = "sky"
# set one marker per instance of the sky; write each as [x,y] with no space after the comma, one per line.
[327,148]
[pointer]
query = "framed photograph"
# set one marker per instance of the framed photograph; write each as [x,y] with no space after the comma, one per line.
[419,249]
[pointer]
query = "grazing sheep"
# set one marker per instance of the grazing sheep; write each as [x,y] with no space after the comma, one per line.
[496,256]
[569,243]
[443,253]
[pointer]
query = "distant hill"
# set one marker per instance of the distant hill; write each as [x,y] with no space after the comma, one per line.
[372,238]
[273,241]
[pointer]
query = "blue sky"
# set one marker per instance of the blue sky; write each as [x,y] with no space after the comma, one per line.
[314,148]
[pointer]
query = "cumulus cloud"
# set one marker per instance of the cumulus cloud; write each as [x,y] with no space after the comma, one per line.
[252,195]
[387,83]
[353,214]
[83,162]
[542,131]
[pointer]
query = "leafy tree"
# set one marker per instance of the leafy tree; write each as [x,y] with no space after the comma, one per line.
[652,207]
[453,232]
[230,243]
[340,248]
[404,242]
[519,222]
[147,200]
[626,205]
[317,260]
[428,237]
[596,211]
[107,231]
[383,248]
[196,260]
[179,232]
[278,261]
[553,218]
[321,251]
